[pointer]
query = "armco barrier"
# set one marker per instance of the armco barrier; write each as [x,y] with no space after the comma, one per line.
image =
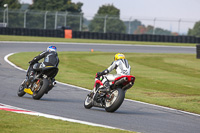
[95,35]
[32,32]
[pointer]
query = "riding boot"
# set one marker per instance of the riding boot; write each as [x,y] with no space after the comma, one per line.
[30,78]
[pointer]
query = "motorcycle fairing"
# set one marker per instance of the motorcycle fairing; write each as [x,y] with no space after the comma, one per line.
[28,90]
[98,82]
[129,77]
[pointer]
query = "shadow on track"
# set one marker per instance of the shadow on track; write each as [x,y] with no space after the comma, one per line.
[126,112]
[61,100]
[27,97]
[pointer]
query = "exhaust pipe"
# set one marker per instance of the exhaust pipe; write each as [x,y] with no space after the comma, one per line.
[128,86]
[122,80]
[54,83]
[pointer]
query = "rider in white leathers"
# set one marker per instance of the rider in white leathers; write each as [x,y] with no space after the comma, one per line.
[122,67]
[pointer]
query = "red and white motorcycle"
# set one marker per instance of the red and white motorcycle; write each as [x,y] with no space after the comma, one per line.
[112,99]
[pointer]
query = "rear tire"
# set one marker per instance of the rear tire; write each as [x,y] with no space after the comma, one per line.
[21,92]
[113,104]
[42,90]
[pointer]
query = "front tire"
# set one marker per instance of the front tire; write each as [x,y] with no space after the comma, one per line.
[117,98]
[88,102]
[21,92]
[42,89]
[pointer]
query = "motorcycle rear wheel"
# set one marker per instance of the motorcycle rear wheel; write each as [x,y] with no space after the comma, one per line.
[117,98]
[43,87]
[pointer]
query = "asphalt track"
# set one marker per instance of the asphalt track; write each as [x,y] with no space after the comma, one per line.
[67,101]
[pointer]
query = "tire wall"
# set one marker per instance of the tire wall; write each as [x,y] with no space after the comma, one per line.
[94,35]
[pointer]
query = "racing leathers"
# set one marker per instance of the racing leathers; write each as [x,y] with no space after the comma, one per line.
[50,59]
[121,66]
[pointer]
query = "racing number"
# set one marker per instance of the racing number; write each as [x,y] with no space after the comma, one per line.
[125,72]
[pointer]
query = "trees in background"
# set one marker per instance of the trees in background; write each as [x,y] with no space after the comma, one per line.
[70,12]
[13,4]
[44,13]
[107,20]
[57,5]
[67,13]
[131,26]
[195,31]
[150,30]
[7,18]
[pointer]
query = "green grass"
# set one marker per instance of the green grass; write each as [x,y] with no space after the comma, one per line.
[50,39]
[170,80]
[20,123]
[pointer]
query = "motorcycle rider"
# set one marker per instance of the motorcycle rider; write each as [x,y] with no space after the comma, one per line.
[122,67]
[50,59]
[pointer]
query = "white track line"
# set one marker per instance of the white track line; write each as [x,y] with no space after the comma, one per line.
[6,59]
[29,112]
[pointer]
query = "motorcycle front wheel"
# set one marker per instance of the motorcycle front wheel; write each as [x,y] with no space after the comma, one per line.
[88,102]
[115,100]
[21,92]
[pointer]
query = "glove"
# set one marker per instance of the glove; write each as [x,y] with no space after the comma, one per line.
[32,62]
[98,74]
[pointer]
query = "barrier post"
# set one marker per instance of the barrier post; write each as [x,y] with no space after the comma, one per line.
[198,51]
[67,32]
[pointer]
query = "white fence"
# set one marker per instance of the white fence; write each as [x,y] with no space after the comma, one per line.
[81,22]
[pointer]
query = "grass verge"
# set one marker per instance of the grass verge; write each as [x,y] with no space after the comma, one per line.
[50,39]
[20,123]
[170,80]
